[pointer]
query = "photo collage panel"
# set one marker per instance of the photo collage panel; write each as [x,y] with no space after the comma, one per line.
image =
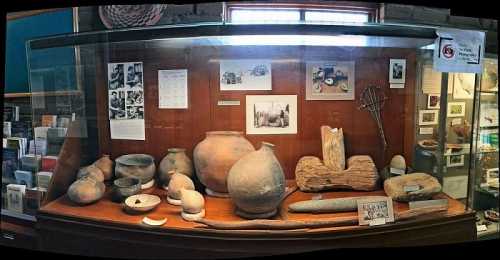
[126,91]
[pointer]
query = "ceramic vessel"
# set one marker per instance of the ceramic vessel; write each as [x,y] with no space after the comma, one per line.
[141,166]
[91,171]
[142,202]
[106,165]
[125,187]
[256,183]
[177,183]
[214,157]
[192,201]
[176,160]
[86,190]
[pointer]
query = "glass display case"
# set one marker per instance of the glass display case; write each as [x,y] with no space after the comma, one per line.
[304,111]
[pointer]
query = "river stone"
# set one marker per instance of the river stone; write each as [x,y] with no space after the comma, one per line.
[429,186]
[192,201]
[328,205]
[177,183]
[92,171]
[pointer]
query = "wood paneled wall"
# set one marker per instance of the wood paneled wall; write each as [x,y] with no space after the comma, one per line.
[166,128]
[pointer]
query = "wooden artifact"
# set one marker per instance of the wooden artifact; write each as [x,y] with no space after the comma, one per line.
[332,144]
[307,224]
[410,187]
[328,205]
[312,175]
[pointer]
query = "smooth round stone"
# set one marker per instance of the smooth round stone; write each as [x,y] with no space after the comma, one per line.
[177,183]
[398,162]
[86,190]
[192,201]
[91,171]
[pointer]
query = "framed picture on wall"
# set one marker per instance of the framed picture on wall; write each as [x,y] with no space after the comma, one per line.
[397,71]
[433,101]
[455,160]
[330,80]
[245,75]
[456,109]
[428,117]
[271,114]
[463,85]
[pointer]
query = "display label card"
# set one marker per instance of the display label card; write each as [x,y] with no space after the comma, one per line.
[377,222]
[426,130]
[396,85]
[481,228]
[228,103]
[427,203]
[127,129]
[397,171]
[456,121]
[459,51]
[411,188]
[173,89]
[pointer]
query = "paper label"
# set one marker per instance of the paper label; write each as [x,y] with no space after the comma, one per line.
[377,222]
[456,121]
[172,89]
[397,171]
[426,130]
[396,85]
[411,188]
[459,51]
[481,228]
[228,103]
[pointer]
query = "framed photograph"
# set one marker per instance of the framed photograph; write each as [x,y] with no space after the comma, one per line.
[488,114]
[456,109]
[492,177]
[433,101]
[489,79]
[245,75]
[397,70]
[463,85]
[330,80]
[373,209]
[428,117]
[116,76]
[455,160]
[271,114]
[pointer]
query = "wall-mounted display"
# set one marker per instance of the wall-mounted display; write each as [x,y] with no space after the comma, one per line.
[428,117]
[271,114]
[330,80]
[397,71]
[245,75]
[456,109]
[463,85]
[433,101]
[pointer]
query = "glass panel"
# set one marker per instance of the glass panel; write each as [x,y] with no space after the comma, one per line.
[264,16]
[339,17]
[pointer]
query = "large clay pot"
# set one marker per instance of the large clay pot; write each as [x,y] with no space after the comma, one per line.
[214,157]
[86,190]
[177,161]
[106,165]
[256,183]
[141,166]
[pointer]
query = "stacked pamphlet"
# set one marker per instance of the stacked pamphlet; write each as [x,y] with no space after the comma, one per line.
[18,143]
[24,178]
[33,199]
[15,196]
[49,163]
[41,132]
[22,129]
[31,162]
[7,129]
[38,146]
[10,162]
[10,113]
[43,179]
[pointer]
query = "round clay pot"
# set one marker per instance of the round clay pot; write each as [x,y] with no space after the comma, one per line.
[106,166]
[176,160]
[177,183]
[125,187]
[86,190]
[256,183]
[214,157]
[141,166]
[91,171]
[192,201]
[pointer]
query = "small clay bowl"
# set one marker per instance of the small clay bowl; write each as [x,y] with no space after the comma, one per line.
[142,202]
[125,187]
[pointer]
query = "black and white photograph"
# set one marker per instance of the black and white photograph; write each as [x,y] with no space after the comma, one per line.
[134,75]
[455,160]
[428,117]
[397,70]
[116,76]
[373,209]
[456,109]
[271,114]
[245,75]
[330,80]
[135,112]
[433,101]
[135,97]
[117,105]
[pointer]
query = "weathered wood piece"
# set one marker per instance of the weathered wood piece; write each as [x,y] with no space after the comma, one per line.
[332,144]
[298,224]
[395,187]
[312,175]
[328,205]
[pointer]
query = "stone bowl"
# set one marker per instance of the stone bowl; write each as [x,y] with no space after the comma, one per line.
[142,202]
[141,166]
[125,187]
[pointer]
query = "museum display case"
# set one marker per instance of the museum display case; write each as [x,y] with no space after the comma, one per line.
[299,136]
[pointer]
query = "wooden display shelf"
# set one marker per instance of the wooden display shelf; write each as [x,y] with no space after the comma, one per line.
[104,229]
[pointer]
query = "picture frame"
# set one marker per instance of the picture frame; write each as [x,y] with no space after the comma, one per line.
[492,177]
[245,74]
[370,210]
[330,80]
[455,160]
[456,109]
[397,70]
[463,85]
[433,101]
[271,114]
[428,117]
